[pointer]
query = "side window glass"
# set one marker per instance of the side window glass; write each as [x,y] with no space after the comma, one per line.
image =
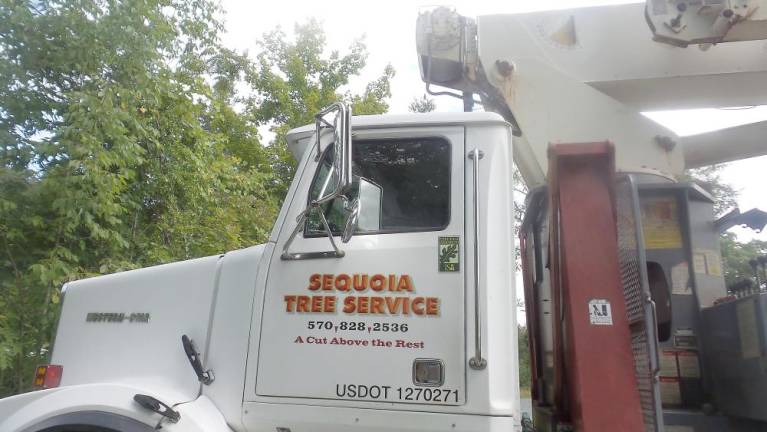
[334,210]
[401,185]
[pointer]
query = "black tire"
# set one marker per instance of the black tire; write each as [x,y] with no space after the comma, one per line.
[90,421]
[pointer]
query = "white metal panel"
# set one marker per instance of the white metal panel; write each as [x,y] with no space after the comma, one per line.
[552,107]
[725,145]
[308,370]
[300,138]
[177,298]
[491,392]
[613,51]
[230,330]
[496,387]
[201,415]
[103,397]
[263,417]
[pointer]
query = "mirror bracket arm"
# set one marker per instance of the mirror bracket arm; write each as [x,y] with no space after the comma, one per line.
[321,123]
[301,220]
[343,165]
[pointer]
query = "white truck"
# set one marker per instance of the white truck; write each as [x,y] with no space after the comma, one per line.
[385,297]
[307,334]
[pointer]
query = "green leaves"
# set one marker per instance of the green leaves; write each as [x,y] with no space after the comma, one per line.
[116,152]
[736,257]
[448,253]
[424,104]
[523,348]
[735,254]
[710,179]
[129,137]
[295,78]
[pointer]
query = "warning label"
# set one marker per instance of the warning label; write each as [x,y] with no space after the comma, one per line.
[600,312]
[670,391]
[680,279]
[689,367]
[707,262]
[660,222]
[668,367]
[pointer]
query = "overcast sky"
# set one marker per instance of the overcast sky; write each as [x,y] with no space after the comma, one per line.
[389,30]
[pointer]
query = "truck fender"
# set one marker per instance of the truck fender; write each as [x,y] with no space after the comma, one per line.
[107,406]
[200,415]
[41,409]
[105,421]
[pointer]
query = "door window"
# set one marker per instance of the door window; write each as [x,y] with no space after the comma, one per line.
[402,186]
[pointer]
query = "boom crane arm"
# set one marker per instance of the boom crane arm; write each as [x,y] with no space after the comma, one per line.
[568,81]
[585,75]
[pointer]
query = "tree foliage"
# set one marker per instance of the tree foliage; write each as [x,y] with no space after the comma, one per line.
[424,104]
[736,257]
[735,254]
[294,79]
[124,143]
[710,179]
[523,346]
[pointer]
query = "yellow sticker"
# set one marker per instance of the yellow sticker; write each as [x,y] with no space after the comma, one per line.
[660,223]
[670,392]
[680,279]
[689,367]
[699,262]
[668,366]
[707,262]
[713,263]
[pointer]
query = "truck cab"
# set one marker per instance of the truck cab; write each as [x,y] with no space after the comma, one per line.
[383,300]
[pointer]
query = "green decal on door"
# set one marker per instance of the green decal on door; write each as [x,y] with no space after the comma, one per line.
[449,257]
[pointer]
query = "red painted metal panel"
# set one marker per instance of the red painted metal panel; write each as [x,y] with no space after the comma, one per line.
[595,382]
[531,312]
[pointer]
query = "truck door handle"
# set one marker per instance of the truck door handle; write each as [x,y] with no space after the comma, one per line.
[477,362]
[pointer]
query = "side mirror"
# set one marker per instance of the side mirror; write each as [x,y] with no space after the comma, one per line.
[337,118]
[351,220]
[364,212]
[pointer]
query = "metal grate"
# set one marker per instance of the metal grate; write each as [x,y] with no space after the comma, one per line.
[645,380]
[628,256]
[634,291]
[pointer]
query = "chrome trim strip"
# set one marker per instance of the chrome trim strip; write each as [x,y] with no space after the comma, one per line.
[477,362]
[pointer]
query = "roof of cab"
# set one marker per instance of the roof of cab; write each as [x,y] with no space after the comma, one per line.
[297,143]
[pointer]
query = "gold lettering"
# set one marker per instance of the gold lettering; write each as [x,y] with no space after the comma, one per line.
[314,282]
[378,282]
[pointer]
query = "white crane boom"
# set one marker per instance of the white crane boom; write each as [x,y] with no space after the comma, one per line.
[725,145]
[586,74]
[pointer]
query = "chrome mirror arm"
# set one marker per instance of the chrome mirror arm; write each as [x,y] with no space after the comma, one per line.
[301,221]
[321,123]
[341,127]
[338,252]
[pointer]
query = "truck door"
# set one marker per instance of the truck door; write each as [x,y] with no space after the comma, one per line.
[385,322]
